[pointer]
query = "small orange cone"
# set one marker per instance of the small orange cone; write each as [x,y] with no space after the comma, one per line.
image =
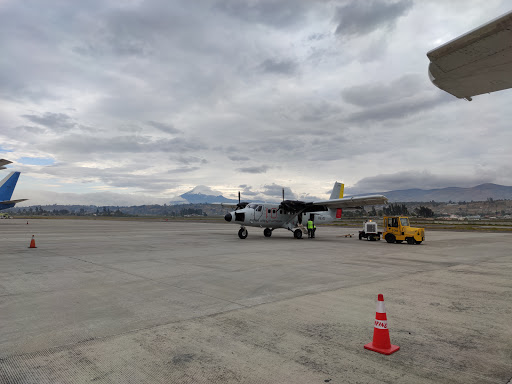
[381,342]
[33,242]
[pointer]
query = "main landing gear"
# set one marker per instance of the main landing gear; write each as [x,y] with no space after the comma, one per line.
[267,232]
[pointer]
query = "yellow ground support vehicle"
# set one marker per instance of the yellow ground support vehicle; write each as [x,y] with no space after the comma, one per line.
[397,229]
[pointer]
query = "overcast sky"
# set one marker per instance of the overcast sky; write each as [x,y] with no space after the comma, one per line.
[140,101]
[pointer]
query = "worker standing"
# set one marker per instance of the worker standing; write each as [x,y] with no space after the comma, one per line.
[314,230]
[310,228]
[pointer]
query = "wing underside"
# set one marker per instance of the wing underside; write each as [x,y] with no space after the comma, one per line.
[477,62]
[4,162]
[352,202]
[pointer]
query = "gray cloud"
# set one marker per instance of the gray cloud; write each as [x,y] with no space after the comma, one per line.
[275,190]
[399,109]
[372,94]
[256,169]
[119,144]
[120,177]
[247,191]
[278,14]
[167,128]
[183,170]
[29,129]
[238,158]
[191,160]
[362,17]
[58,122]
[282,67]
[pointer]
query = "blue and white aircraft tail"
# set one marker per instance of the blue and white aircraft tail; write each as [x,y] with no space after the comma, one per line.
[7,186]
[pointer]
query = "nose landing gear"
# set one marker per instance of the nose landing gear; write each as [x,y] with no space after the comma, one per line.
[242,233]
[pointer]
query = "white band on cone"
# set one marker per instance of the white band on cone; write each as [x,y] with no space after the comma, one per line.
[380,307]
[381,324]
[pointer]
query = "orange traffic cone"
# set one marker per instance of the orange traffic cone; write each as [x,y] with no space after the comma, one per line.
[381,342]
[33,242]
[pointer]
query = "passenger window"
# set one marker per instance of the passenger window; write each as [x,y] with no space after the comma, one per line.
[268,211]
[281,211]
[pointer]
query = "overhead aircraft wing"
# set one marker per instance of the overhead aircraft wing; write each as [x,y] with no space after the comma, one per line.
[4,162]
[352,202]
[227,205]
[477,62]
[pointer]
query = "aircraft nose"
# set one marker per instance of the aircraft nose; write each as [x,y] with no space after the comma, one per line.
[228,217]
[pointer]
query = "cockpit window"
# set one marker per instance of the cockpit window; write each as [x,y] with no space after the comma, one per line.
[252,206]
[259,208]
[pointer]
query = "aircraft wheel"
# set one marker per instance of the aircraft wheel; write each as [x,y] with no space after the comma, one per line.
[267,232]
[297,234]
[242,233]
[410,240]
[390,238]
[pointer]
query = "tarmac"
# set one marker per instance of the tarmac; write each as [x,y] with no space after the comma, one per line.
[188,302]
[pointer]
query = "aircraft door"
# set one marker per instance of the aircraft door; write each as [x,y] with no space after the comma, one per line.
[258,212]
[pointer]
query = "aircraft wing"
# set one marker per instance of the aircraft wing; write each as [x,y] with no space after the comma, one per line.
[4,162]
[227,205]
[477,62]
[12,201]
[352,202]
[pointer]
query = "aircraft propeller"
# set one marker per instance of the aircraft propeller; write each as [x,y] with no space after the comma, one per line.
[240,204]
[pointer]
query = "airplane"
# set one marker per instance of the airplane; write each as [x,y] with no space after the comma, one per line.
[475,63]
[7,186]
[290,214]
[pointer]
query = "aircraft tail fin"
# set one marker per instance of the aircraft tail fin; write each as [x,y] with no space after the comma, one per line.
[7,186]
[337,191]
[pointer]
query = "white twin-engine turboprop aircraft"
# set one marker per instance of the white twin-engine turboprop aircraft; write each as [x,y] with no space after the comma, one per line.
[291,214]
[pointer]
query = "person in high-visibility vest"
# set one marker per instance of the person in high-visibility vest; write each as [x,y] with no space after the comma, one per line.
[314,230]
[310,228]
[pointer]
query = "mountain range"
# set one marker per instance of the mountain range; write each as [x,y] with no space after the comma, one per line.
[482,192]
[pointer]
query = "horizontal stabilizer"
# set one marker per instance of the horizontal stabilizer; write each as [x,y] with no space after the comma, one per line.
[4,162]
[6,202]
[7,186]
